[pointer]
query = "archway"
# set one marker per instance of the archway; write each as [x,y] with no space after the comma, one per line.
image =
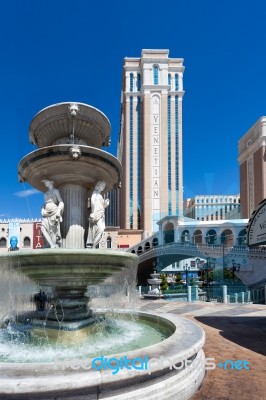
[169,233]
[197,237]
[185,237]
[241,239]
[227,238]
[211,237]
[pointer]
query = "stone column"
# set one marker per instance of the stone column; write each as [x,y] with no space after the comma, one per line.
[196,293]
[224,289]
[75,217]
[189,294]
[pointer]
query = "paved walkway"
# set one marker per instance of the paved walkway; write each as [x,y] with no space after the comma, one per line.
[233,332]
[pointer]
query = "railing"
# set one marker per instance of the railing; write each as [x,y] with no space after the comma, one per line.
[235,294]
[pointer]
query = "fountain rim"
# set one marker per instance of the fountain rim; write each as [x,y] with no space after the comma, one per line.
[51,379]
[177,350]
[37,120]
[63,251]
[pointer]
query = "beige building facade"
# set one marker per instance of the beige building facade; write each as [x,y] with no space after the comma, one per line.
[213,207]
[252,163]
[29,236]
[150,142]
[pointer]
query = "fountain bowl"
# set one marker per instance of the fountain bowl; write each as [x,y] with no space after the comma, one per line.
[176,370]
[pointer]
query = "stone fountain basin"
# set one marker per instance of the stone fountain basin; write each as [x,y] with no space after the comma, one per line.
[62,380]
[55,162]
[154,281]
[69,268]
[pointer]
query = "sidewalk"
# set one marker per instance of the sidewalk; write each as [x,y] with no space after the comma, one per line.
[233,332]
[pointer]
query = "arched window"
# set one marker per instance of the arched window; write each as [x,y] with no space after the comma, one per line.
[155,242]
[147,246]
[3,242]
[176,82]
[26,241]
[109,242]
[139,251]
[155,75]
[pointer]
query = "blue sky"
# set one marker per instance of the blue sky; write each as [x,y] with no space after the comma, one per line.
[59,50]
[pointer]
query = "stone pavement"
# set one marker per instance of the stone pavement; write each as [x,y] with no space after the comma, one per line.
[233,332]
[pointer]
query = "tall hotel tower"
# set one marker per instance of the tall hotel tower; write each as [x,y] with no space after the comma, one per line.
[150,142]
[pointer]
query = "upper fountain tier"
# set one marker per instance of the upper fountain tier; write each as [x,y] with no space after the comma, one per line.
[55,124]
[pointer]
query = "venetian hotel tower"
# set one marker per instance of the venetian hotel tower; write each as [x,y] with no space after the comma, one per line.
[150,142]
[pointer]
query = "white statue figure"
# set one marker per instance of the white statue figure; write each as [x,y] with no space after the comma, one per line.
[97,217]
[52,211]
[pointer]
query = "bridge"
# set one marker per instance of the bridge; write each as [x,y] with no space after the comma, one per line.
[224,241]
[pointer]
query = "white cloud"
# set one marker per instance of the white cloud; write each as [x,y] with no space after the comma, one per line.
[26,193]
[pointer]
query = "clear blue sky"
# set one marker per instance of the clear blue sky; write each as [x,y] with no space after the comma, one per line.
[60,50]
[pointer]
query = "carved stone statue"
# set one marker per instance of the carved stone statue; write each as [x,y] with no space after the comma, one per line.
[97,217]
[52,211]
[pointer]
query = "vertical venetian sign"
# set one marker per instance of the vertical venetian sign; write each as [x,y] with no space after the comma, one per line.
[155,136]
[37,235]
[13,235]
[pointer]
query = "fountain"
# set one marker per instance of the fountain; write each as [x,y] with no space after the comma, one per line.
[56,361]
[154,292]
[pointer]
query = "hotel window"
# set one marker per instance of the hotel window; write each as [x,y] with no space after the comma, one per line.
[131,82]
[169,79]
[139,82]
[155,75]
[176,82]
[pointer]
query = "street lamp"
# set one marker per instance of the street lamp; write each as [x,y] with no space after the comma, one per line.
[209,265]
[235,268]
[186,269]
[157,265]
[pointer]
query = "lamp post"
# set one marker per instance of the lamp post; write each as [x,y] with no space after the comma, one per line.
[157,265]
[197,261]
[235,268]
[186,269]
[209,265]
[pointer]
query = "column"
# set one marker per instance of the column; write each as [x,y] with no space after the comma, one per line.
[75,217]
[224,288]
